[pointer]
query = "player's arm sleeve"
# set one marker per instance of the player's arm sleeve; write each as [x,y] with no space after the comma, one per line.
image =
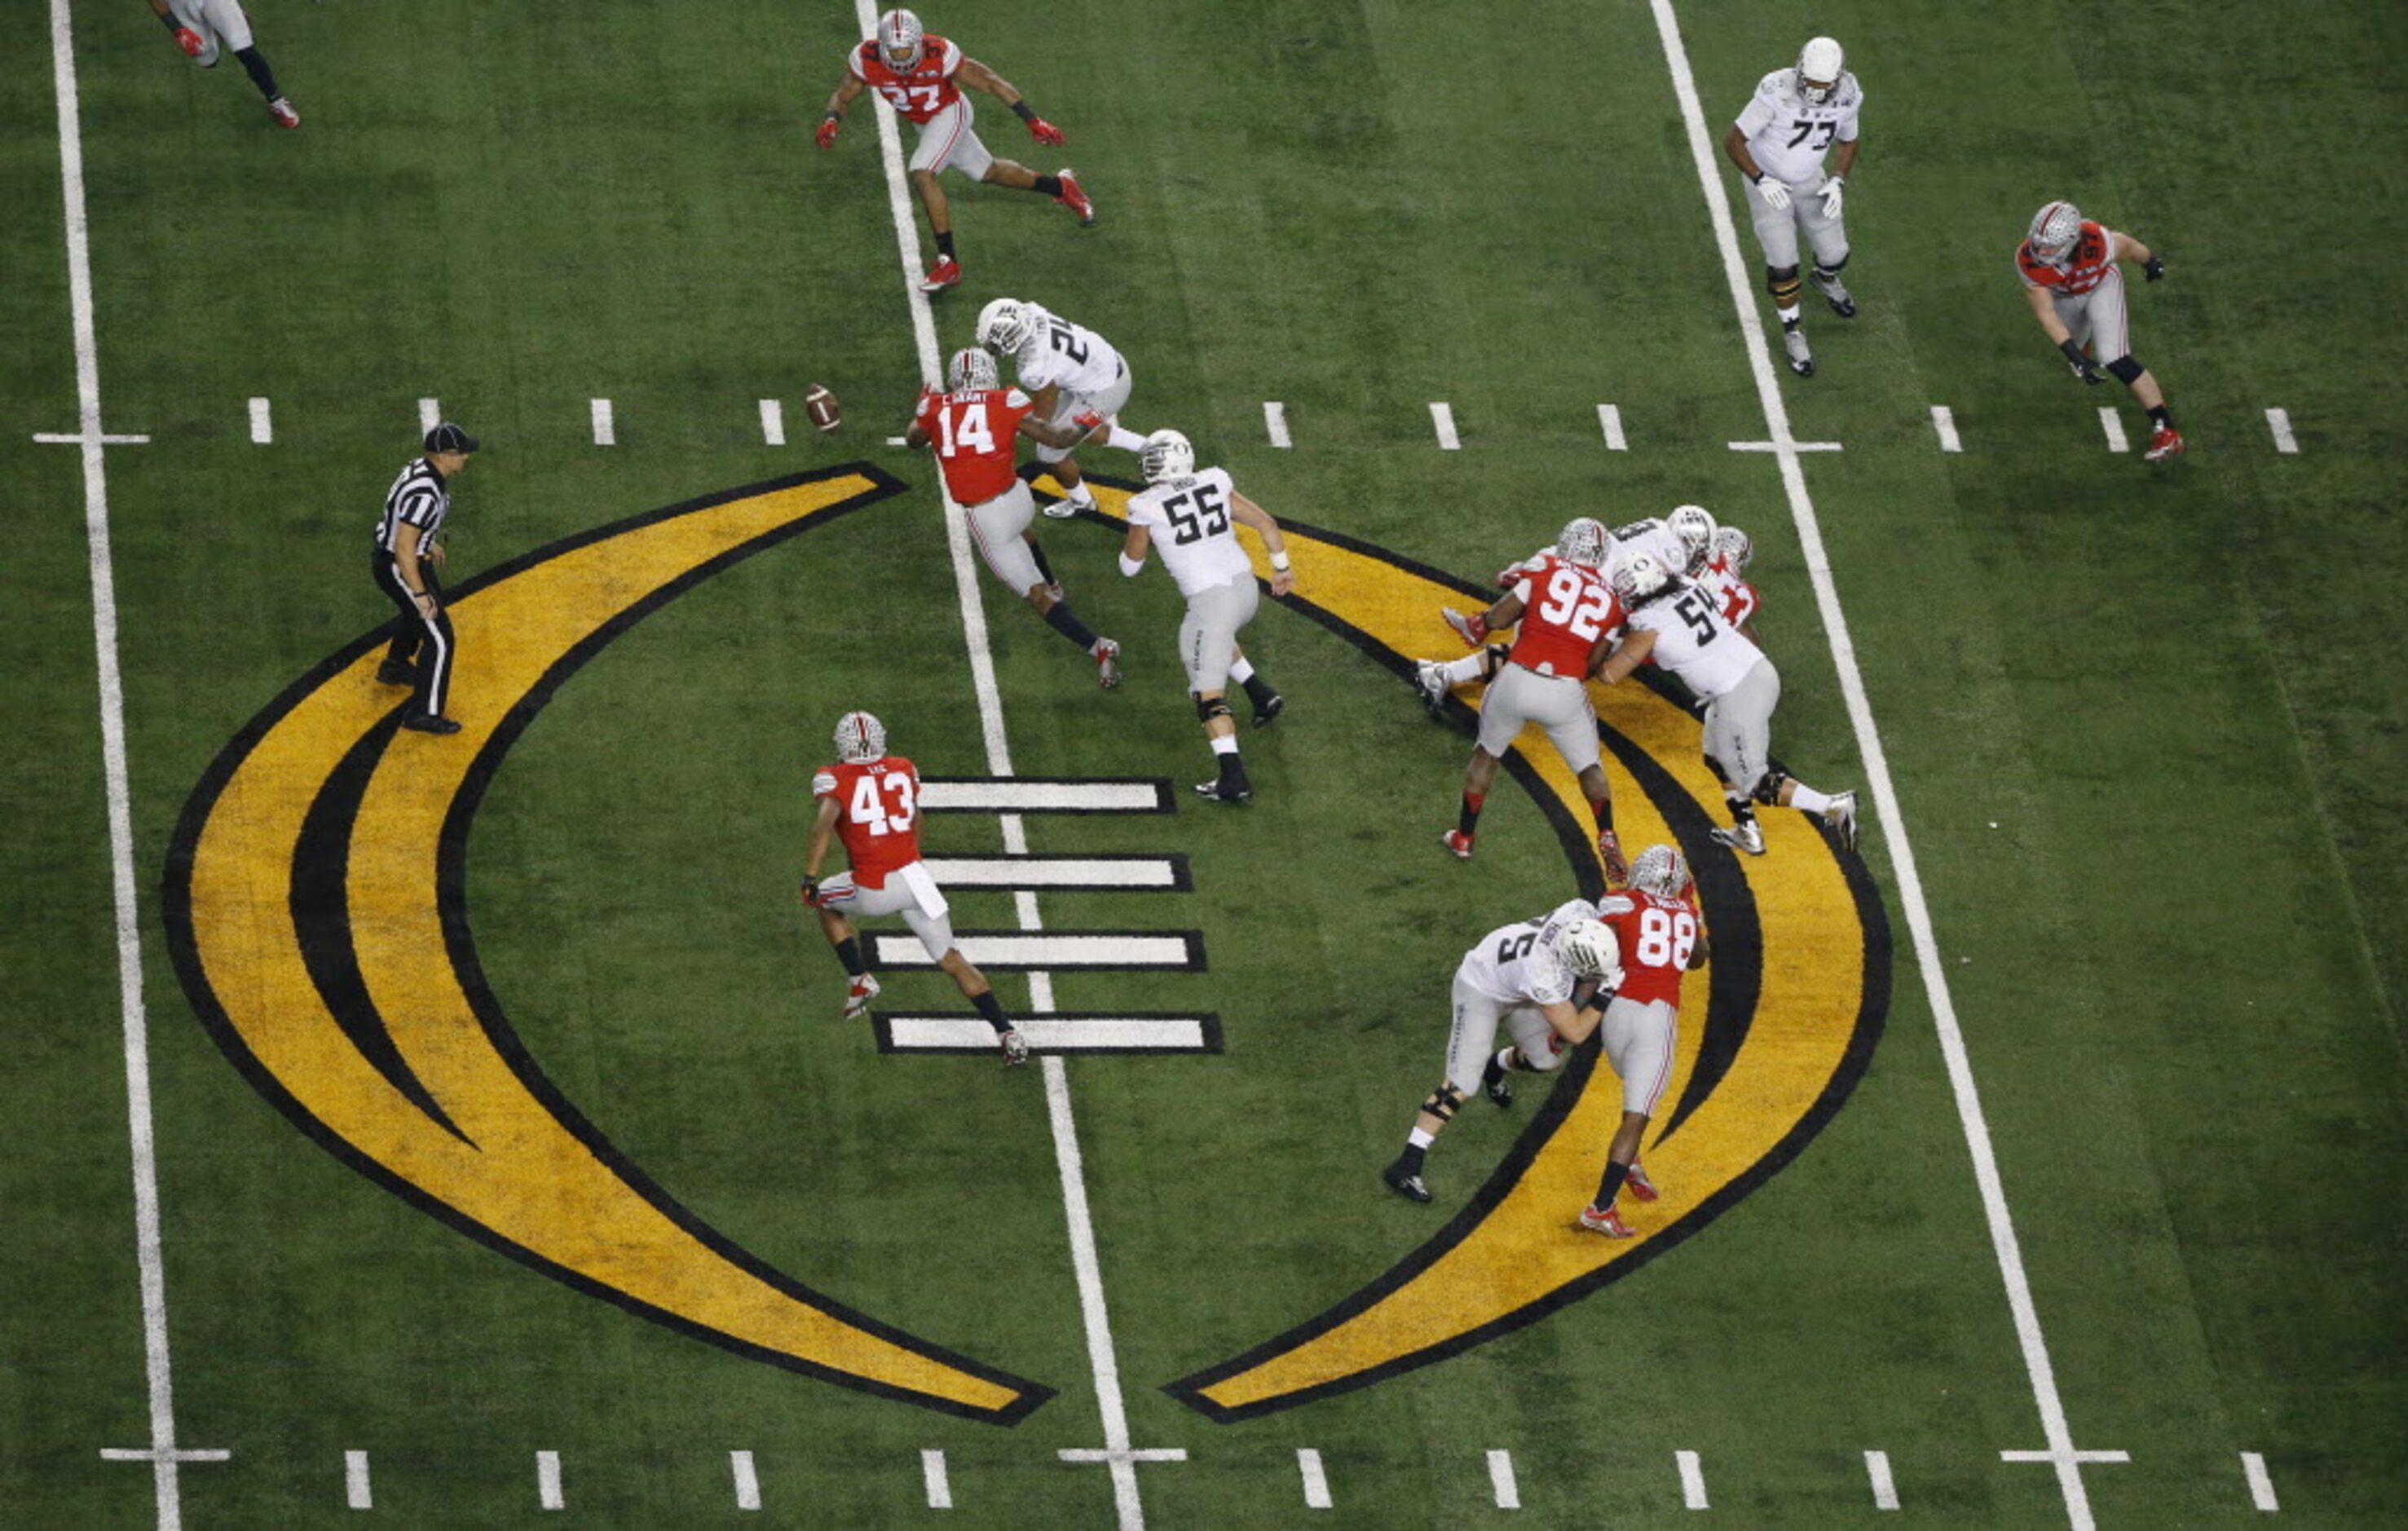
[852,65]
[822,783]
[1756,115]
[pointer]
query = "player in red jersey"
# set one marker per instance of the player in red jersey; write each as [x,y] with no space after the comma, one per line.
[921,75]
[869,801]
[1563,611]
[973,426]
[2076,291]
[1655,923]
[1726,577]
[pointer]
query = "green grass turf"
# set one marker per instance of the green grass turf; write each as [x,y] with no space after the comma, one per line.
[2174,958]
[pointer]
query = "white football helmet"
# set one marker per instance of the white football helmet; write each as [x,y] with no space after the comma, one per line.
[1735,548]
[2054,230]
[899,40]
[1659,870]
[1820,65]
[1590,949]
[1636,578]
[1166,454]
[860,738]
[1693,524]
[1004,326]
[972,369]
[1582,541]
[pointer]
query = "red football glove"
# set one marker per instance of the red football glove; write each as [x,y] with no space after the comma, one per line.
[190,42]
[811,892]
[828,133]
[1046,132]
[1087,420]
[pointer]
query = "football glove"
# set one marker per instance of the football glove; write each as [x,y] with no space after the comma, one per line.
[1775,193]
[2078,358]
[1829,193]
[811,890]
[1087,420]
[828,131]
[2154,268]
[190,42]
[1046,132]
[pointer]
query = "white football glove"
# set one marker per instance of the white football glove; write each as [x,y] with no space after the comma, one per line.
[1775,193]
[1829,191]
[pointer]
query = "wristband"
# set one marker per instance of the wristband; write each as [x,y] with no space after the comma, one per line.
[1755,179]
[1131,566]
[832,117]
[1022,110]
[1279,563]
[2072,349]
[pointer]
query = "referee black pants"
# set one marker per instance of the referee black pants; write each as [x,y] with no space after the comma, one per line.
[414,637]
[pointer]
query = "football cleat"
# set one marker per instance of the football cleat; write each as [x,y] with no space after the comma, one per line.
[282,112]
[1499,1088]
[1604,1220]
[1801,358]
[1746,834]
[857,996]
[1609,851]
[1638,1185]
[2167,442]
[945,273]
[1473,630]
[1431,683]
[1269,711]
[1404,1182]
[1226,790]
[1075,199]
[1842,817]
[1457,843]
[430,722]
[1108,662]
[1836,295]
[1015,1047]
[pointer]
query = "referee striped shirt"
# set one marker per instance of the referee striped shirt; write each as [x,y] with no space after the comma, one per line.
[416,498]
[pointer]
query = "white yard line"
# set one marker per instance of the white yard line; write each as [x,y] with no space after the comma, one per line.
[1275,422]
[1785,447]
[1609,420]
[1084,874]
[932,1475]
[2261,1487]
[430,414]
[1501,1480]
[1100,1033]
[1945,423]
[747,1483]
[2113,423]
[547,1481]
[1316,1482]
[263,424]
[1102,1359]
[163,1454]
[1044,951]
[773,423]
[605,433]
[1885,1487]
[1890,818]
[945,794]
[1693,1480]
[1443,420]
[2279,421]
[356,1492]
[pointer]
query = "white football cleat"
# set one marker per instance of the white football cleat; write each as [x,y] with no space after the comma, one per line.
[1842,817]
[1431,684]
[1801,359]
[1746,834]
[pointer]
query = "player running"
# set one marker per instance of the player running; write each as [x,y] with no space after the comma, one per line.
[1562,611]
[869,800]
[1192,516]
[1069,370]
[206,30]
[1681,627]
[972,425]
[2076,291]
[1537,978]
[921,76]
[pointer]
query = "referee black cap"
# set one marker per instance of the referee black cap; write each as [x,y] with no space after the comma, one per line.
[449,438]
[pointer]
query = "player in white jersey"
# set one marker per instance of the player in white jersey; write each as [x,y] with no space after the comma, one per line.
[1069,370]
[1540,978]
[1681,626]
[1683,541]
[1192,518]
[1778,143]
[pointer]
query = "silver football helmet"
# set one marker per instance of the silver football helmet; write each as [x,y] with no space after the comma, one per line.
[899,40]
[1659,870]
[1693,524]
[1004,326]
[2054,230]
[860,738]
[1820,65]
[1590,949]
[1582,541]
[1636,578]
[1735,548]
[1166,454]
[972,369]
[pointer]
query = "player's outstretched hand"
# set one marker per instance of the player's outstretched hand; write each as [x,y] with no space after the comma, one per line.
[827,131]
[1282,581]
[190,42]
[1046,132]
[2154,268]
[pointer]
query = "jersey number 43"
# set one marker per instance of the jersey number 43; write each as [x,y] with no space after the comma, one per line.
[869,808]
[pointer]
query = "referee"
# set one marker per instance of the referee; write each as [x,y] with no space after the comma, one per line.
[409,552]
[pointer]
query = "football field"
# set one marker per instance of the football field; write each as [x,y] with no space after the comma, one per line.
[463,1132]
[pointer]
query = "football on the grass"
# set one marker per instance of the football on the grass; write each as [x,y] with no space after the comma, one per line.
[821,406]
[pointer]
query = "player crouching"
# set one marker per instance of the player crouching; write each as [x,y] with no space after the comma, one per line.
[871,801]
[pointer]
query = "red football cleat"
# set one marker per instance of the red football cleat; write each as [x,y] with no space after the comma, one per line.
[1456,841]
[857,996]
[1638,1185]
[285,116]
[1609,851]
[1473,630]
[1604,1220]
[1075,199]
[2167,442]
[945,273]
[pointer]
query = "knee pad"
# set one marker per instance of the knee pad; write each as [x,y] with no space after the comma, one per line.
[2124,369]
[1442,1102]
[1207,708]
[1492,659]
[1781,282]
[1829,270]
[1767,787]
